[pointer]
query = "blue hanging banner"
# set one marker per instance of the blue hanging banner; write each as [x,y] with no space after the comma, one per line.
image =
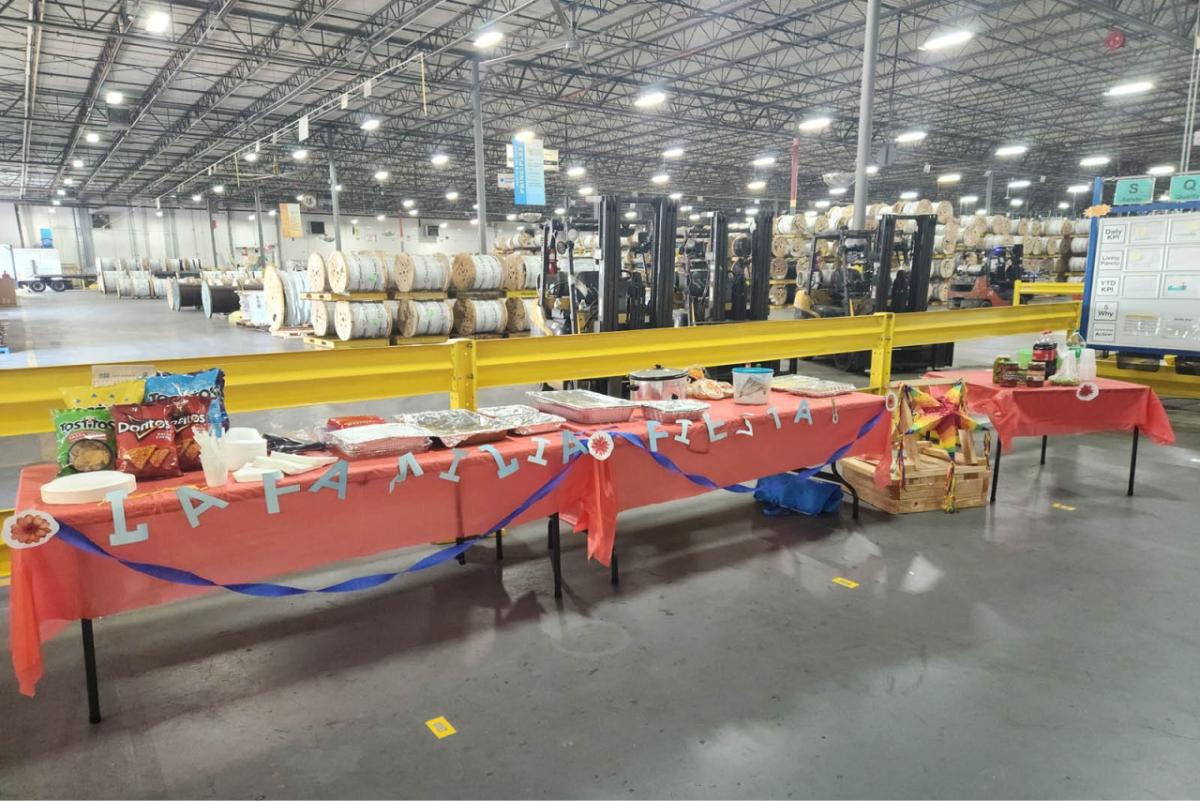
[529,173]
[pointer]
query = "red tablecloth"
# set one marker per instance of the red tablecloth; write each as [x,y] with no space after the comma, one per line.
[57,583]
[1051,411]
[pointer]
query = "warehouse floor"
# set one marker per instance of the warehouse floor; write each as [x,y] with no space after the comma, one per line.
[1018,651]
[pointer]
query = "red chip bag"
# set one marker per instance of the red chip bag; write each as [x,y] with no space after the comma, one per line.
[145,440]
[188,413]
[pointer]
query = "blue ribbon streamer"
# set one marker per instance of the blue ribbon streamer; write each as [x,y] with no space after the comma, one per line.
[263,589]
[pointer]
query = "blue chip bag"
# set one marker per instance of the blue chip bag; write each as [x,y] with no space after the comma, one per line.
[207,384]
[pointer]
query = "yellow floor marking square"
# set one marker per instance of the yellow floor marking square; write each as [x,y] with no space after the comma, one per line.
[1063,506]
[845,582]
[441,727]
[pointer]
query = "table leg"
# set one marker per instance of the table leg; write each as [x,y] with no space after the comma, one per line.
[89,669]
[499,545]
[1133,461]
[1044,439]
[462,557]
[996,469]
[615,574]
[556,555]
[833,468]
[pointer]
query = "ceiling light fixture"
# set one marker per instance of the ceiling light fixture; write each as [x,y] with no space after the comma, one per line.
[872,169]
[249,217]
[1131,88]
[1093,161]
[949,178]
[1021,184]
[68,181]
[337,188]
[381,217]
[659,178]
[91,137]
[271,213]
[60,192]
[488,38]
[381,175]
[676,196]
[763,161]
[693,217]
[452,196]
[837,190]
[299,154]
[510,217]
[587,190]
[672,152]
[55,202]
[408,203]
[439,159]
[114,98]
[631,215]
[414,212]
[1076,189]
[219,189]
[941,41]
[354,221]
[250,157]
[77,164]
[909,195]
[560,210]
[685,209]
[576,171]
[370,124]
[756,185]
[822,204]
[1011,150]
[910,136]
[1161,169]
[968,200]
[158,22]
[474,221]
[650,99]
[1062,204]
[1015,202]
[813,124]
[197,198]
[524,135]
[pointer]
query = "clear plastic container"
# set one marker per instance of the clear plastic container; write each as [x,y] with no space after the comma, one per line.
[752,385]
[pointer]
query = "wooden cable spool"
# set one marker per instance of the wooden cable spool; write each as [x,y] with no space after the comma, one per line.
[1035,227]
[1079,246]
[1077,264]
[525,240]
[321,315]
[158,287]
[420,273]
[504,243]
[948,244]
[253,305]
[318,279]
[779,247]
[1056,245]
[943,292]
[798,248]
[520,313]
[356,272]
[779,268]
[184,294]
[285,307]
[998,224]
[352,320]
[218,299]
[474,272]
[777,295]
[521,271]
[424,318]
[479,316]
[1023,227]
[946,268]
[174,265]
[1081,228]
[790,224]
[944,210]
[820,223]
[1035,246]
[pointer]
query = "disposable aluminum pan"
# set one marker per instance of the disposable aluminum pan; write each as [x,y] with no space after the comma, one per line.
[380,439]
[454,427]
[583,406]
[668,411]
[521,419]
[809,387]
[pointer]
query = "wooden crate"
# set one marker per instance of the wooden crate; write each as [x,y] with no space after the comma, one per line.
[924,489]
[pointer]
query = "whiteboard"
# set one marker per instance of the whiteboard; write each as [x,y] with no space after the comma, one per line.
[1142,288]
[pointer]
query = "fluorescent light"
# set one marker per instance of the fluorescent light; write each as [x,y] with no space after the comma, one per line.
[659,178]
[1093,161]
[452,196]
[370,124]
[299,154]
[91,137]
[814,124]
[1062,204]
[1161,169]
[524,135]
[474,221]
[910,195]
[822,204]
[560,210]
[61,192]
[510,217]
[249,217]
[158,22]
[941,41]
[197,198]
[408,203]
[1011,150]
[1016,201]
[949,178]
[587,190]
[439,159]
[337,188]
[968,200]
[872,169]
[676,196]
[1132,88]
[300,196]
[68,181]
[650,99]
[52,210]
[475,206]
[250,157]
[576,171]
[55,202]
[685,209]
[114,98]
[1077,188]
[159,214]
[1021,184]
[218,189]
[381,175]
[910,136]
[672,152]
[271,213]
[837,190]
[1166,196]
[77,164]
[693,217]
[413,212]
[354,221]
[631,215]
[763,161]
[488,38]
[381,217]
[756,185]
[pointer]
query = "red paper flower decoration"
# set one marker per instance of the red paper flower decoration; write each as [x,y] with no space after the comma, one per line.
[600,445]
[1087,391]
[29,529]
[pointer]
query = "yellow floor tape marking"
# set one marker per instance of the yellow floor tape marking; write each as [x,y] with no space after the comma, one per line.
[441,727]
[1063,506]
[845,582]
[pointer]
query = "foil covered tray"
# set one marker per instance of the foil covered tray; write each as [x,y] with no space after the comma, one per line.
[382,439]
[810,387]
[454,427]
[521,419]
[583,406]
[668,411]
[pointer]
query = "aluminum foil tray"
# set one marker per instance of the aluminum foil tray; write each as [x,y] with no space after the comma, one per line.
[810,387]
[668,411]
[522,419]
[583,406]
[454,427]
[381,439]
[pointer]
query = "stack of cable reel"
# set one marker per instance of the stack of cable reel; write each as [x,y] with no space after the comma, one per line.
[475,272]
[286,306]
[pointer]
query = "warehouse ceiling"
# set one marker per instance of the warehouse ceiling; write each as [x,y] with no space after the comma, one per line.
[228,76]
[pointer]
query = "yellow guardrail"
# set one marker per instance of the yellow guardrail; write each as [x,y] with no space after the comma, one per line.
[1070,288]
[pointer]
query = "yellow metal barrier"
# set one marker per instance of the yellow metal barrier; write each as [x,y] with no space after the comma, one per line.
[927,328]
[1165,381]
[1070,288]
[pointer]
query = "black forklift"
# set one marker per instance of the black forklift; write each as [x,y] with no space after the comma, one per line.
[863,281]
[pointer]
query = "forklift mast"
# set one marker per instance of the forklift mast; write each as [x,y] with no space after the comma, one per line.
[915,296]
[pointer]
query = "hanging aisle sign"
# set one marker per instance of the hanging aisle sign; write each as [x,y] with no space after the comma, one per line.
[289,220]
[529,176]
[1185,187]
[1133,190]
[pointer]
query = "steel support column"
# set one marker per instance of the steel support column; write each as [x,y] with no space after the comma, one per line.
[480,182]
[262,243]
[866,102]
[337,209]
[212,232]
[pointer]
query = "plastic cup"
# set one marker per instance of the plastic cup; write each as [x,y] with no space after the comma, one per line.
[215,473]
[752,385]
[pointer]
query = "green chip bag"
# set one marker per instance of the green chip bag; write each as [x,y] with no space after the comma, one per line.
[86,440]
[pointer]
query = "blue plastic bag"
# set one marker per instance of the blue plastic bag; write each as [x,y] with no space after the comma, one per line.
[786,493]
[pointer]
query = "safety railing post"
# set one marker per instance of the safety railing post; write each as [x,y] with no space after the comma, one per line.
[881,354]
[1017,292]
[463,382]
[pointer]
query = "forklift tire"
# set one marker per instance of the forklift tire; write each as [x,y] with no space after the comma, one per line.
[58,286]
[37,286]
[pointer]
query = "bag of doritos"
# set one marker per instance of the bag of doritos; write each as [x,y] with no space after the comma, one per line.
[145,440]
[85,440]
[188,414]
[207,384]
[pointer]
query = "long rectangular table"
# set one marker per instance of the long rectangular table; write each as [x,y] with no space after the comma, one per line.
[57,583]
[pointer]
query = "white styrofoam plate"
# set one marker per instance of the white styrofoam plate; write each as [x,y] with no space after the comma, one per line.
[86,487]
